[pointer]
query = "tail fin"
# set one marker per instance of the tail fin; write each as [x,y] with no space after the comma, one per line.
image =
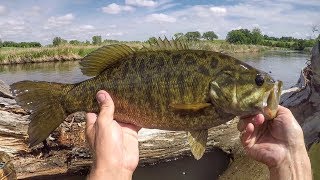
[44,100]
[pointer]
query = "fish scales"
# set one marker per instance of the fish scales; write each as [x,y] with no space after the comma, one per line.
[165,86]
[144,85]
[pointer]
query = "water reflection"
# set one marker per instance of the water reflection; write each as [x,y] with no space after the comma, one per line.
[64,72]
[41,67]
[281,65]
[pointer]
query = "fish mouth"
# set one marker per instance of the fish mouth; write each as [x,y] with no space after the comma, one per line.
[271,101]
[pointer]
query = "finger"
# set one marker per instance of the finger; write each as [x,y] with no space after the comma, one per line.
[243,123]
[283,110]
[130,126]
[91,118]
[106,106]
[240,125]
[256,120]
[247,135]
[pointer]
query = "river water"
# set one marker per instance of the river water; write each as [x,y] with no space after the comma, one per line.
[285,66]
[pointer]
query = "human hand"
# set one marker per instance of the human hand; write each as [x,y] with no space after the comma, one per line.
[115,144]
[278,143]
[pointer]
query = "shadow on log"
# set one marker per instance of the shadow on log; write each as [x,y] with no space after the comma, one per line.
[70,155]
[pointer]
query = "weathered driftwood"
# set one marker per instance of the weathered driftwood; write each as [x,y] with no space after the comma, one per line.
[70,155]
[4,90]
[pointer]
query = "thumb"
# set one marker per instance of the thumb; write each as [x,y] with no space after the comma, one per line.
[90,130]
[106,106]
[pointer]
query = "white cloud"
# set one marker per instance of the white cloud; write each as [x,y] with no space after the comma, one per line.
[112,26]
[206,11]
[115,34]
[25,21]
[3,10]
[116,9]
[163,32]
[309,2]
[143,3]
[59,21]
[87,27]
[237,28]
[160,18]
[12,27]
[218,10]
[78,31]
[34,11]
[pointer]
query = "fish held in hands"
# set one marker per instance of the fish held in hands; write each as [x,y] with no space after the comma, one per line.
[165,86]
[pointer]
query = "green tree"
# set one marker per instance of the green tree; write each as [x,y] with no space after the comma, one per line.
[210,35]
[248,36]
[237,37]
[57,41]
[23,44]
[110,41]
[310,42]
[96,40]
[35,44]
[318,38]
[87,42]
[281,44]
[178,35]
[1,44]
[256,36]
[287,39]
[9,44]
[74,42]
[266,43]
[244,36]
[152,40]
[193,36]
[299,45]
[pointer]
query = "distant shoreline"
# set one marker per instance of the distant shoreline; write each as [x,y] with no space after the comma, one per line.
[10,56]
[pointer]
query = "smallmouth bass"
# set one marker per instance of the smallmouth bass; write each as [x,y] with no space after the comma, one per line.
[166,86]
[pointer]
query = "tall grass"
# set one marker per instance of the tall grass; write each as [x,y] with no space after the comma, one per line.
[69,52]
[43,54]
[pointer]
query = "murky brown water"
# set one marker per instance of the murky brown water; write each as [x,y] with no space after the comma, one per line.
[209,167]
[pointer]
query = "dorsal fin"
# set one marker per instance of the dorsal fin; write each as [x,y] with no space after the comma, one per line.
[107,56]
[103,58]
[165,44]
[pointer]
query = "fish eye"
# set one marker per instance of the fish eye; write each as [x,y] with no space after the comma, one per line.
[259,80]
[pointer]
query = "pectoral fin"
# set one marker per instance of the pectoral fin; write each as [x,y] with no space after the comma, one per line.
[197,141]
[190,107]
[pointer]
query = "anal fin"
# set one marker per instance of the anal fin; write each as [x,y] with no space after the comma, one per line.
[197,141]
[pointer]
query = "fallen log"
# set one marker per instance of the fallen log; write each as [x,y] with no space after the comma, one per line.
[4,90]
[69,154]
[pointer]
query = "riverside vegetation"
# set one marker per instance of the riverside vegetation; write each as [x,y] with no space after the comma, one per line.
[241,40]
[76,52]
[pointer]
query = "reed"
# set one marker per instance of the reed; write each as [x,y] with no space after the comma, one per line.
[43,54]
[72,52]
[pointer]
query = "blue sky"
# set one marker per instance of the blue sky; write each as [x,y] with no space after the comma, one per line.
[42,20]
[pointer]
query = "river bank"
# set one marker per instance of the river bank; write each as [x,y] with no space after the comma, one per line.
[69,52]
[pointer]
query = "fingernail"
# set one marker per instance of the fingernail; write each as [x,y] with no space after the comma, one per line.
[101,97]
